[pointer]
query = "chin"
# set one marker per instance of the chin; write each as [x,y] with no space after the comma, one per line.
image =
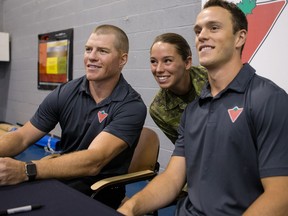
[164,86]
[204,63]
[90,77]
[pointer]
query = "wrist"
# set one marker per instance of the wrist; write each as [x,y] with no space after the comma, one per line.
[30,170]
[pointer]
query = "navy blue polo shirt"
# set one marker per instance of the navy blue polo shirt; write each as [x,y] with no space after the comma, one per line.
[224,163]
[81,119]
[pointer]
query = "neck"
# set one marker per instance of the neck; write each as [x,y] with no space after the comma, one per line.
[184,86]
[103,89]
[220,78]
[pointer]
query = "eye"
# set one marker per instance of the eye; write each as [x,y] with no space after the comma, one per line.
[103,51]
[168,61]
[214,28]
[88,49]
[153,61]
[197,31]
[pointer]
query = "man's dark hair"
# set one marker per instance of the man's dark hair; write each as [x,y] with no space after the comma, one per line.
[238,17]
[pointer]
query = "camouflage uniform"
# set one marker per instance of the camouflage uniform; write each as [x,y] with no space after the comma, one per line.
[166,108]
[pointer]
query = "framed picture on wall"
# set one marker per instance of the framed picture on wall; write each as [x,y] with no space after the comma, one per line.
[55,56]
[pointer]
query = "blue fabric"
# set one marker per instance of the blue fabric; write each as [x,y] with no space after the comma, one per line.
[49,139]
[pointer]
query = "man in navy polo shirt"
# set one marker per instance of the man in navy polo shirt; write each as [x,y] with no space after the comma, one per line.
[101,117]
[232,147]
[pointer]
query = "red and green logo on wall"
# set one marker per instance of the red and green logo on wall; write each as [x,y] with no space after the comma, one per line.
[261,16]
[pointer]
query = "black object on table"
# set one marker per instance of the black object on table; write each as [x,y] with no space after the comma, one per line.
[57,199]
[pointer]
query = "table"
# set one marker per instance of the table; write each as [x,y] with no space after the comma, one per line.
[58,200]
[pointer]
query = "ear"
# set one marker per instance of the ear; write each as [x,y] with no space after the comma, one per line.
[123,59]
[241,38]
[188,62]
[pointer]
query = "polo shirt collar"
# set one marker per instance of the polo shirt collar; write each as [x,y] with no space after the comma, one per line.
[118,94]
[241,81]
[238,84]
[84,86]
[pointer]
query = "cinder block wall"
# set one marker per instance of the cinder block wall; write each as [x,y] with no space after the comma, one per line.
[1,14]
[142,20]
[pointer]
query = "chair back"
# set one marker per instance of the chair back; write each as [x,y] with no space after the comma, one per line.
[146,152]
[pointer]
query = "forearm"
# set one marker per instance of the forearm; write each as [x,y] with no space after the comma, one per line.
[274,200]
[88,162]
[161,191]
[14,142]
[76,164]
[11,144]
[156,194]
[275,205]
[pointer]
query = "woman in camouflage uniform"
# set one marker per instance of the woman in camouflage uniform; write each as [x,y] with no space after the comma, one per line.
[179,81]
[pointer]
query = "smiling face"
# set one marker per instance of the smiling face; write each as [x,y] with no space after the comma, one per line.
[101,59]
[168,67]
[215,41]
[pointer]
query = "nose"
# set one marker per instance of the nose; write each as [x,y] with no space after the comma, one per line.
[92,56]
[159,67]
[203,34]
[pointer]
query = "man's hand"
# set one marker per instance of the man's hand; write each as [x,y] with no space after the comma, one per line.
[12,171]
[125,210]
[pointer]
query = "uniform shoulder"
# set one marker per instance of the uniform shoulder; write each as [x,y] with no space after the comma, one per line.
[159,98]
[199,77]
[199,73]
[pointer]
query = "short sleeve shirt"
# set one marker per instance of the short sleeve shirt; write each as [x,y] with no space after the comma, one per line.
[166,108]
[81,119]
[224,163]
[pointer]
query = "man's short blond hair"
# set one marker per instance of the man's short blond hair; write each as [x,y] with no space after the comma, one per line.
[121,42]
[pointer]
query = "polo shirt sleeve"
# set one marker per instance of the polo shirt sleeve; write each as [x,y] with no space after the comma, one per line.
[270,119]
[128,121]
[179,145]
[45,118]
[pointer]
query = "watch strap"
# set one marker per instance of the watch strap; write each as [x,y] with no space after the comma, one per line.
[30,170]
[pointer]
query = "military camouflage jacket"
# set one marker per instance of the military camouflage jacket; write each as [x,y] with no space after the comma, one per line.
[166,108]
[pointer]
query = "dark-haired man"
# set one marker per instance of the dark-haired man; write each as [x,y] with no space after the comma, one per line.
[232,145]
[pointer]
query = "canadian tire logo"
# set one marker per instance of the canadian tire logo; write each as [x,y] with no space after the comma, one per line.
[261,16]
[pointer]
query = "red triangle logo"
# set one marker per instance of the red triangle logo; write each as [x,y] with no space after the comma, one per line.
[102,115]
[234,113]
[261,21]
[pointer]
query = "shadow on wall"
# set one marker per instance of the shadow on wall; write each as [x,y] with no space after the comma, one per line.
[4,87]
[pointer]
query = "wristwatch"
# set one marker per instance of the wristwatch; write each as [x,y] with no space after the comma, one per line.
[30,170]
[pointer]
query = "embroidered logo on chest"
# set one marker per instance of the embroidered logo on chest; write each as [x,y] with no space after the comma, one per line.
[234,113]
[102,115]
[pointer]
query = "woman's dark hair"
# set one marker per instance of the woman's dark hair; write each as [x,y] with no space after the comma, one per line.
[181,45]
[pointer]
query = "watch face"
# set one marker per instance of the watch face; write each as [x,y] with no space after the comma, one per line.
[31,171]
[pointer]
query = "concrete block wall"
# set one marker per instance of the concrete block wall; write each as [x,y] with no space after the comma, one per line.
[142,20]
[1,14]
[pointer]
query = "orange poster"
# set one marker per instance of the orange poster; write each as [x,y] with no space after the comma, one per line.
[55,58]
